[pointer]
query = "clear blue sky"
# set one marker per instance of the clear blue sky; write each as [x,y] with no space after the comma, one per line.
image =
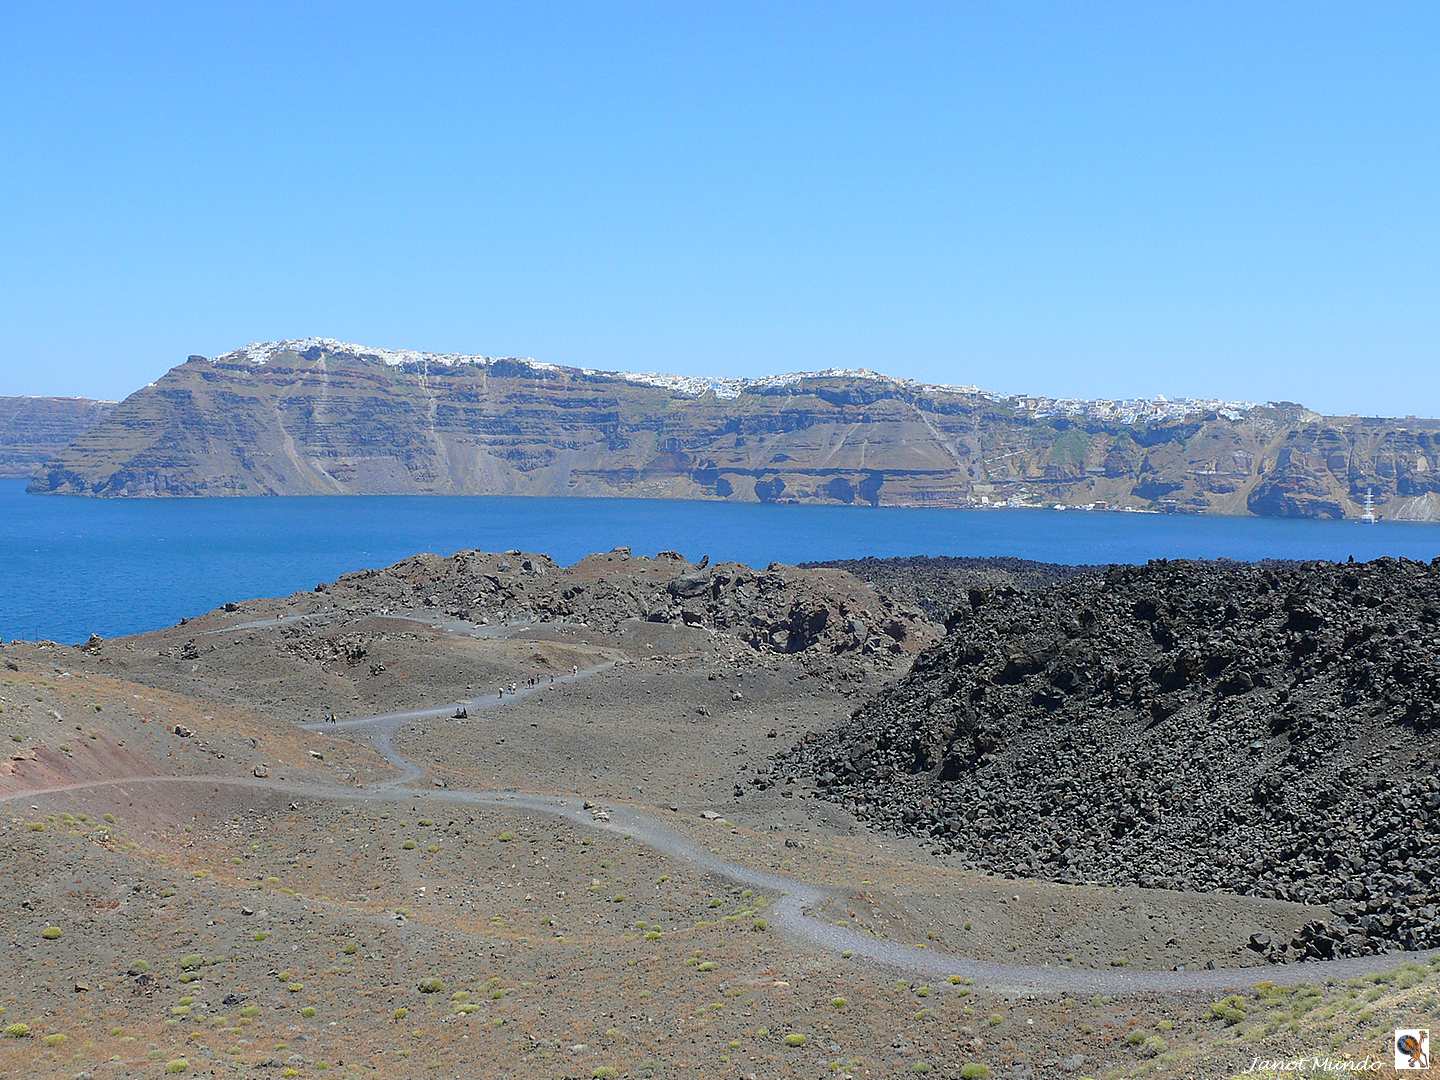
[1086,199]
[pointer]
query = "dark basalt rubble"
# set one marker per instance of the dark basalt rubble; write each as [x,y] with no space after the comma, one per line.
[824,614]
[1270,730]
[938,584]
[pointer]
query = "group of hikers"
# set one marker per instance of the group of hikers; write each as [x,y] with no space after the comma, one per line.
[534,680]
[462,714]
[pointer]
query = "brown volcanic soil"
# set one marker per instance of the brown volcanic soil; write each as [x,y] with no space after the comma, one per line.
[203,921]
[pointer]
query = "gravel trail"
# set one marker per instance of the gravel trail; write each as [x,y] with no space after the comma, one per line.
[794,900]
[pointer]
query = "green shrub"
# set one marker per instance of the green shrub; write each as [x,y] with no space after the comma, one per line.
[177,1066]
[973,1070]
[1230,1009]
[1152,1046]
[839,1002]
[53,1039]
[431,985]
[50,933]
[794,1039]
[17,1031]
[190,962]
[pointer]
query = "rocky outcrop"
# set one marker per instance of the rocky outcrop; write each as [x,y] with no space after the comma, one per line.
[1268,730]
[321,417]
[823,613]
[939,584]
[33,430]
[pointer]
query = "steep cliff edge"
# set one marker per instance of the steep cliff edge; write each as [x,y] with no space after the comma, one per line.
[323,417]
[33,430]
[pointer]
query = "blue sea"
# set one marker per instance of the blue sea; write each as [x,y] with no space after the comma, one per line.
[73,566]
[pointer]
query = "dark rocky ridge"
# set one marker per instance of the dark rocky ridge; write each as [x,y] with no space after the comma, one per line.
[1268,730]
[34,430]
[938,584]
[333,419]
[824,616]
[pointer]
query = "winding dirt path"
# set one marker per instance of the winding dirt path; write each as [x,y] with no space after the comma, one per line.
[794,900]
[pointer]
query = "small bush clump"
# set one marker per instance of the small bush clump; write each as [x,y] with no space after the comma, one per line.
[1230,1009]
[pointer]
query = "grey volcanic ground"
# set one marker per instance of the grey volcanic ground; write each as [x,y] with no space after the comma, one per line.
[271,891]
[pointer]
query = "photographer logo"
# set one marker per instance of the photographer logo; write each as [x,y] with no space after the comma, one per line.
[1412,1050]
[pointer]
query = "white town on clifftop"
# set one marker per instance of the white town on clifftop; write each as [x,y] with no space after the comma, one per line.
[1127,410]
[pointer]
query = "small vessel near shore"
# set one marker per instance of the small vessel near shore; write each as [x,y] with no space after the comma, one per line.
[1369,517]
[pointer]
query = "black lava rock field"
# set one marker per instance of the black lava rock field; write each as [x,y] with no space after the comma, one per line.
[1269,730]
